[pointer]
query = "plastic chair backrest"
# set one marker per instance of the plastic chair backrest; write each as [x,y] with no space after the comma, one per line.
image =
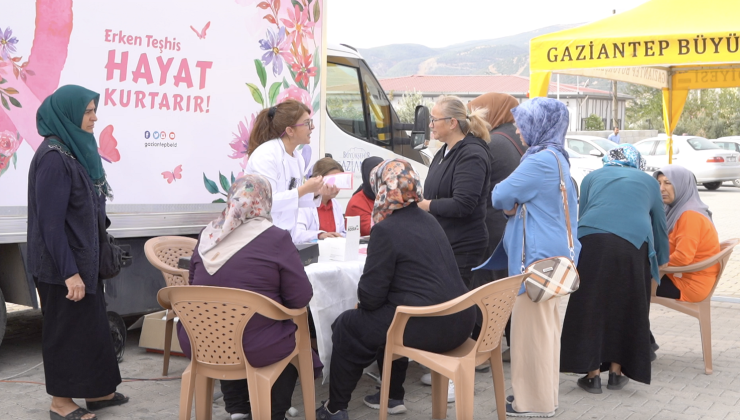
[723,257]
[215,317]
[164,253]
[495,302]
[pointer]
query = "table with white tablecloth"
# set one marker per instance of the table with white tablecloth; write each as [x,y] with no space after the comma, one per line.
[334,291]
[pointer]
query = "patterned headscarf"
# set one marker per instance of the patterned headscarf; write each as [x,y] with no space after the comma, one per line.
[396,185]
[625,155]
[543,123]
[687,196]
[248,208]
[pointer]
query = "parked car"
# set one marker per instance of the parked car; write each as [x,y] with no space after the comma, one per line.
[589,145]
[710,164]
[730,143]
[581,165]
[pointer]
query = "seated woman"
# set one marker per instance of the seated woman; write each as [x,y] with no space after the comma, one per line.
[325,221]
[362,201]
[244,240]
[692,236]
[409,262]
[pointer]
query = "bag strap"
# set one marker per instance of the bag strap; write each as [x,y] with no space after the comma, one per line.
[518,149]
[566,209]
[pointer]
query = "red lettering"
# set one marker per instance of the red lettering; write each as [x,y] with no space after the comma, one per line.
[164,102]
[139,95]
[153,95]
[142,70]
[128,98]
[177,104]
[203,66]
[183,74]
[111,65]
[198,104]
[164,68]
[109,96]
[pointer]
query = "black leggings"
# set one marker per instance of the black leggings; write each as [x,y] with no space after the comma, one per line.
[236,394]
[668,289]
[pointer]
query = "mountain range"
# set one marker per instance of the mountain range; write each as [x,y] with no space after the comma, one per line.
[508,55]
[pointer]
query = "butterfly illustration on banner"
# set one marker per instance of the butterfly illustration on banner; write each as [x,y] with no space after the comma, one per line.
[108,143]
[174,175]
[202,33]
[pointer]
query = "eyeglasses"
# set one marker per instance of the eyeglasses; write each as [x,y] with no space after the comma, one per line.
[308,123]
[434,120]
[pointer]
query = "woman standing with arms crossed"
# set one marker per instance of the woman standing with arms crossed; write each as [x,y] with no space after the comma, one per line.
[277,132]
[67,190]
[457,185]
[535,327]
[623,230]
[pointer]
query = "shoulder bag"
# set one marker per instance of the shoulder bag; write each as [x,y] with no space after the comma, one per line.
[556,276]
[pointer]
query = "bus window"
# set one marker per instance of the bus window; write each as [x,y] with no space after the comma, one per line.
[379,108]
[344,99]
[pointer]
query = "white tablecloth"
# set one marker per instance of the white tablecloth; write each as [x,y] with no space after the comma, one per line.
[334,291]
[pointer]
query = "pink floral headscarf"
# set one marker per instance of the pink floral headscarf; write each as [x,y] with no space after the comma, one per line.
[249,200]
[396,185]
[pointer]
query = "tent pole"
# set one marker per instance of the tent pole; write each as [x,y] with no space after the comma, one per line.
[669,140]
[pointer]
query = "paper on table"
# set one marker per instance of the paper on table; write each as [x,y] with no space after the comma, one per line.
[343,181]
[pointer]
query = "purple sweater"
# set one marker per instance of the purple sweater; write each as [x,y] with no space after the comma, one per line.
[270,266]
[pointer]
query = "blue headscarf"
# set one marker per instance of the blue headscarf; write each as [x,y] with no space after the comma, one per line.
[543,123]
[625,155]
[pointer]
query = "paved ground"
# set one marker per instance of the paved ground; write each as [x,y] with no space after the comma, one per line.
[679,389]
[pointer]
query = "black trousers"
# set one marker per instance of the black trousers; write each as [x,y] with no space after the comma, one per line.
[668,290]
[236,394]
[359,338]
[465,264]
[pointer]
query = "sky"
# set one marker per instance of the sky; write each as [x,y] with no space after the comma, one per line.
[438,23]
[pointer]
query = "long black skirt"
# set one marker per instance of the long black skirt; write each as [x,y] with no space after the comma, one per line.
[77,348]
[607,318]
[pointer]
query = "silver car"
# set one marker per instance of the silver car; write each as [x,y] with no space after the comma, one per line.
[730,143]
[710,164]
[589,145]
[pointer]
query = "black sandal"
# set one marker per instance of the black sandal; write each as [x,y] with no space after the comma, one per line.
[75,415]
[117,399]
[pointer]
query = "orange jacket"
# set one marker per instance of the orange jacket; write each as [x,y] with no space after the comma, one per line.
[693,239]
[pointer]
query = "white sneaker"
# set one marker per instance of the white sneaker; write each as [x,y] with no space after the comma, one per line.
[426,379]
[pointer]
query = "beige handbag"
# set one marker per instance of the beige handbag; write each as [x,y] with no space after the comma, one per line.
[556,276]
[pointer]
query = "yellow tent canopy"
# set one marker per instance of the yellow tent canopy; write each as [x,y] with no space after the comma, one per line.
[673,45]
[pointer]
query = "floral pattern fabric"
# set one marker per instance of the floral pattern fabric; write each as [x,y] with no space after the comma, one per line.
[249,199]
[396,185]
[542,123]
[626,155]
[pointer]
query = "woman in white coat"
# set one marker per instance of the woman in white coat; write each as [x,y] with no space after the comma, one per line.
[326,221]
[277,132]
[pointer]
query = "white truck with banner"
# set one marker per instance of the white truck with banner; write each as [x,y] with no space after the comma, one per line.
[180,84]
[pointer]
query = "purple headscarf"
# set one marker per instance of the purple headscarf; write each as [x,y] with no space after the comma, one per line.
[543,123]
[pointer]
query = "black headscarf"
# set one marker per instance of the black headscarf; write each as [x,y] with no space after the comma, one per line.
[367,166]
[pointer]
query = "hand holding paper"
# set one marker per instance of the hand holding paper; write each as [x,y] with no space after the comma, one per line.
[343,181]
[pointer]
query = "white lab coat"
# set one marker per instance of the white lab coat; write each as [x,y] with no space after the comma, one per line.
[307,228]
[271,161]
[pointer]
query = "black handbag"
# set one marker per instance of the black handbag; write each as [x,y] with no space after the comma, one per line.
[111,255]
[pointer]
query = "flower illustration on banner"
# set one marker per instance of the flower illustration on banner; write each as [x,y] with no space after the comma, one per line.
[302,67]
[7,43]
[294,92]
[9,144]
[240,143]
[290,41]
[277,46]
[298,21]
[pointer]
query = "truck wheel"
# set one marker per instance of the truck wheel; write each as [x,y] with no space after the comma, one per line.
[711,186]
[3,316]
[736,182]
[118,334]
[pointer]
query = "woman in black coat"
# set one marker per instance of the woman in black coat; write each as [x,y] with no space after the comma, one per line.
[67,189]
[457,186]
[409,262]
